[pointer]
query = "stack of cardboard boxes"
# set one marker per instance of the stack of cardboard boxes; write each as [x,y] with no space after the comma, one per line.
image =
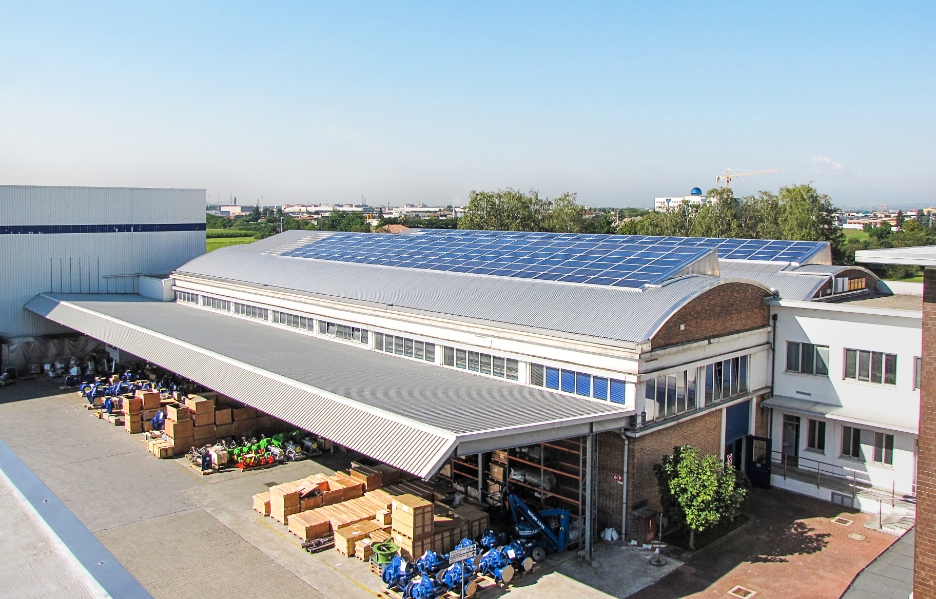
[179,428]
[133,413]
[412,525]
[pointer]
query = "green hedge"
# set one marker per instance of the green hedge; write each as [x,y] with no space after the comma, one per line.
[228,233]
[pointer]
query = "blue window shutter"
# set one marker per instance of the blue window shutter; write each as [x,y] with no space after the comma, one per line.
[552,378]
[600,388]
[618,394]
[568,381]
[583,384]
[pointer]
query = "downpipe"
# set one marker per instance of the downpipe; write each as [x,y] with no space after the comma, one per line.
[624,490]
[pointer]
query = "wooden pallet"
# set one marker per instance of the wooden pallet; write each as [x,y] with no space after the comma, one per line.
[388,594]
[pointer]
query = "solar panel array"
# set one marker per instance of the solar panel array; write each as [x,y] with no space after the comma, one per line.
[609,260]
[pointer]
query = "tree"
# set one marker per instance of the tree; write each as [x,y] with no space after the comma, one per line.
[718,217]
[807,215]
[504,210]
[900,219]
[760,216]
[881,232]
[566,216]
[699,491]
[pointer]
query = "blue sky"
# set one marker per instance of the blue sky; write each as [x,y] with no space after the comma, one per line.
[399,102]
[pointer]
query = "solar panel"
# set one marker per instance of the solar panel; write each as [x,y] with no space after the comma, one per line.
[610,260]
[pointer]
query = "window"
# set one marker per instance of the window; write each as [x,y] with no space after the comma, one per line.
[884,448]
[216,304]
[871,366]
[579,383]
[251,311]
[507,368]
[343,331]
[293,320]
[675,393]
[726,378]
[815,439]
[185,296]
[807,358]
[917,373]
[851,442]
[401,346]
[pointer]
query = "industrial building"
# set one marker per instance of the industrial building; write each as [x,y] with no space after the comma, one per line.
[422,349]
[91,240]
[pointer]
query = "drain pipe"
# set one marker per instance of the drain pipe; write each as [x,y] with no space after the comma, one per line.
[624,490]
[773,352]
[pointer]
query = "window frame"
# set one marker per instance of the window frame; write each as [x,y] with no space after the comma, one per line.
[867,366]
[816,435]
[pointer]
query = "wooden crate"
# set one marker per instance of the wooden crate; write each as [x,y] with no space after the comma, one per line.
[223,416]
[183,428]
[496,472]
[203,419]
[132,405]
[245,413]
[178,413]
[347,536]
[200,405]
[363,550]
[499,456]
[371,477]
[261,503]
[308,526]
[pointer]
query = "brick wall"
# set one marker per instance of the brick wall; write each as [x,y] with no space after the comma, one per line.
[762,418]
[723,310]
[924,567]
[703,431]
[610,494]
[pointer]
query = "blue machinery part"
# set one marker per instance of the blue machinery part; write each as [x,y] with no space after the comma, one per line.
[398,573]
[426,588]
[496,563]
[530,526]
[431,563]
[159,420]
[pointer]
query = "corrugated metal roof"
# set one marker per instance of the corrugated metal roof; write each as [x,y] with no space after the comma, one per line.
[789,284]
[601,312]
[403,412]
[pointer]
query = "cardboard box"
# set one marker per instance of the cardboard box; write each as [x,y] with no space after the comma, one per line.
[245,413]
[261,503]
[199,405]
[308,525]
[347,536]
[203,419]
[496,472]
[363,550]
[245,427]
[223,416]
[179,429]
[412,516]
[132,405]
[177,413]
[149,399]
[225,430]
[412,549]
[133,426]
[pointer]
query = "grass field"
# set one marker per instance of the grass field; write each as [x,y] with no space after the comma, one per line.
[855,234]
[213,244]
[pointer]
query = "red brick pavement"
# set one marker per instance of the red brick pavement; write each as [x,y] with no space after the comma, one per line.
[790,549]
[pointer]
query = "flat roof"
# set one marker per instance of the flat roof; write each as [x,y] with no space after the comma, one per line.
[410,414]
[913,256]
[888,302]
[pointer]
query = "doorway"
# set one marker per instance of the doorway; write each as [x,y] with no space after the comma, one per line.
[791,440]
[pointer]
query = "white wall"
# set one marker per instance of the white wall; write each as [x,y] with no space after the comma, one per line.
[889,331]
[839,330]
[102,262]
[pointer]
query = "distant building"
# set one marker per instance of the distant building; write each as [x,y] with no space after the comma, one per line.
[233,211]
[695,198]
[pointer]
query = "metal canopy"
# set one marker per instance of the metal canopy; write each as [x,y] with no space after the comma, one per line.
[409,414]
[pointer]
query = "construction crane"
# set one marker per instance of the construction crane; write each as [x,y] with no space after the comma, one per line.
[729,175]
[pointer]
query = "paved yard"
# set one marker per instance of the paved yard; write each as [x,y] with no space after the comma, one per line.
[790,549]
[185,535]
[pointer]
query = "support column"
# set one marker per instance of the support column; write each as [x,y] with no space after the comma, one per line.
[589,493]
[480,477]
[924,555]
